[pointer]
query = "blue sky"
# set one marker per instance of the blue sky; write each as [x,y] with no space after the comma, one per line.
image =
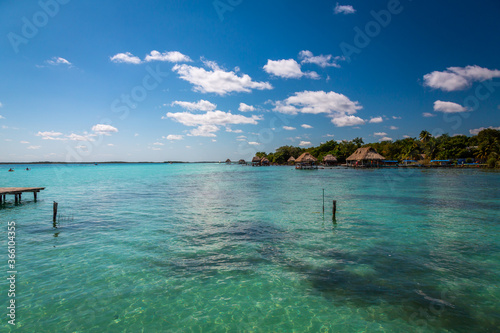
[210,80]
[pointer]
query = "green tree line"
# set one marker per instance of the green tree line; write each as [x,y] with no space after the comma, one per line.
[483,147]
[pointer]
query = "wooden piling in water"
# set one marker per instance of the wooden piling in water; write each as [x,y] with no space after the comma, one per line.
[334,209]
[323,202]
[54,218]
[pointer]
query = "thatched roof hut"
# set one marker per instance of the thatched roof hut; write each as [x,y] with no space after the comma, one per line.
[264,161]
[366,155]
[306,158]
[291,159]
[228,161]
[256,161]
[242,161]
[330,158]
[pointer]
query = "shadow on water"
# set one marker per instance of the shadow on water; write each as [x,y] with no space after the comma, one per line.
[240,232]
[240,247]
[11,204]
[404,285]
[452,203]
[409,286]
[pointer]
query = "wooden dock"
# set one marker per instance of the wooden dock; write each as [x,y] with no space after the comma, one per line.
[18,191]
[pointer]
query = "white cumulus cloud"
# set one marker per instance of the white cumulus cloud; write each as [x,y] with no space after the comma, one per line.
[376,120]
[77,137]
[289,128]
[213,118]
[210,122]
[449,107]
[459,78]
[172,56]
[201,105]
[336,106]
[304,143]
[55,61]
[204,130]
[288,69]
[322,60]
[174,137]
[228,129]
[385,138]
[104,129]
[316,102]
[246,108]
[347,121]
[428,114]
[217,80]
[306,126]
[477,130]
[50,135]
[33,147]
[126,57]
[380,134]
[344,9]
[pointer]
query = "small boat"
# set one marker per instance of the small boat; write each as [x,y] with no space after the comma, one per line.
[11,170]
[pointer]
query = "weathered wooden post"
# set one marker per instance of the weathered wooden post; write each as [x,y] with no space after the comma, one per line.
[323,201]
[34,195]
[16,200]
[334,209]
[54,218]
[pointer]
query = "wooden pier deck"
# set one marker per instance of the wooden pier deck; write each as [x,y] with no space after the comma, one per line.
[17,191]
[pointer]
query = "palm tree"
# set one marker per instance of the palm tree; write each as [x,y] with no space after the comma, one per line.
[488,147]
[425,136]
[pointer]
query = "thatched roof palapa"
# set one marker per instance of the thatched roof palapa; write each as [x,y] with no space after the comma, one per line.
[228,161]
[242,161]
[264,160]
[306,157]
[291,159]
[366,153]
[255,159]
[329,158]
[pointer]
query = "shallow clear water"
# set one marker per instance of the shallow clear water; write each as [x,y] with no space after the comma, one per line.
[215,248]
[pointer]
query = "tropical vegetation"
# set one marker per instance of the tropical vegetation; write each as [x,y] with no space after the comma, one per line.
[483,148]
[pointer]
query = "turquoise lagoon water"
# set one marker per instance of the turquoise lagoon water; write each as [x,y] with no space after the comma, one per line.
[216,248]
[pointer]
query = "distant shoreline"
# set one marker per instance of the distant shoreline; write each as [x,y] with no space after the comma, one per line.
[110,162]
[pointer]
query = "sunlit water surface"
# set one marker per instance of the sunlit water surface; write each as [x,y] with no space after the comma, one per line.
[215,248]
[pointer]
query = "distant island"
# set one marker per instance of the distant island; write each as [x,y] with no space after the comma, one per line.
[107,162]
